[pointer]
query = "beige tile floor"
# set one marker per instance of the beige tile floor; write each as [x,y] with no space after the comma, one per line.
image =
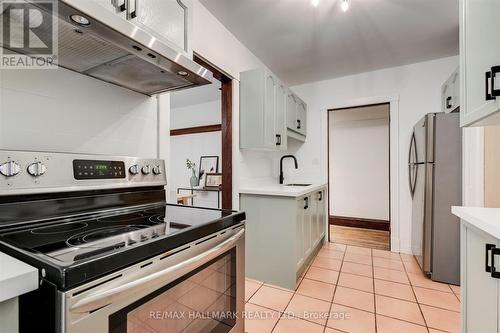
[355,289]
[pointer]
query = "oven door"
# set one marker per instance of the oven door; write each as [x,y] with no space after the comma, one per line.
[197,288]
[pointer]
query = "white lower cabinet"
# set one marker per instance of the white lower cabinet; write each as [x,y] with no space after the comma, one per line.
[480,291]
[282,235]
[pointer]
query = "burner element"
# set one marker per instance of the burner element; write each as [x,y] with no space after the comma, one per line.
[58,229]
[99,234]
[157,219]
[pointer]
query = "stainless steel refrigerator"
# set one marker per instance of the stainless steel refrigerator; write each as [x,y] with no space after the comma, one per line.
[435,181]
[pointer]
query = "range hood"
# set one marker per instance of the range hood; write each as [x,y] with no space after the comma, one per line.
[118,51]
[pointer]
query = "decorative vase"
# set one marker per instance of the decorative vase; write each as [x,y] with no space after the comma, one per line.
[193,180]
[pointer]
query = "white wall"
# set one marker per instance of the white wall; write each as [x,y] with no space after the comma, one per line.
[59,110]
[359,162]
[193,146]
[418,88]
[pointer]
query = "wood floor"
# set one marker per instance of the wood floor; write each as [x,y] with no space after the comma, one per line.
[375,239]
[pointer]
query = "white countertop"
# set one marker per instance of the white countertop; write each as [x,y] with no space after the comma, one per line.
[16,277]
[280,190]
[485,219]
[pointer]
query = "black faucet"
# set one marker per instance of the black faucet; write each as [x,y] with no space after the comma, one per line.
[281,166]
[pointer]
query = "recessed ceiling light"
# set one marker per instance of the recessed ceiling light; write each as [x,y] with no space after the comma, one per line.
[81,20]
[344,5]
[182,73]
[315,3]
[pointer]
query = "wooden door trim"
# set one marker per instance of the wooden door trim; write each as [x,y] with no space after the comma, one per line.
[226,128]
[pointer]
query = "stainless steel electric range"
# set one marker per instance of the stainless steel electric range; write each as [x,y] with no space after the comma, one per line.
[112,255]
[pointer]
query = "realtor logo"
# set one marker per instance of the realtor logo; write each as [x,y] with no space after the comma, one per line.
[28,34]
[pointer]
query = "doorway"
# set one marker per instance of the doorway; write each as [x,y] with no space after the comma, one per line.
[359,175]
[201,132]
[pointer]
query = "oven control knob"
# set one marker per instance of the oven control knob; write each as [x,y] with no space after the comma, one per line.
[157,170]
[9,169]
[37,169]
[134,169]
[146,169]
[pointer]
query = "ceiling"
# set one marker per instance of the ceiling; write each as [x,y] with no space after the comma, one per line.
[302,43]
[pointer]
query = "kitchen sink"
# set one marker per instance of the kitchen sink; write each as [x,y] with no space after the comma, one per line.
[298,185]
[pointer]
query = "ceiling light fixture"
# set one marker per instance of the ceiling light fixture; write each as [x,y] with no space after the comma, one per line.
[344,5]
[81,20]
[315,3]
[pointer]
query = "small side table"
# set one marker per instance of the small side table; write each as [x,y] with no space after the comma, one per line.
[192,195]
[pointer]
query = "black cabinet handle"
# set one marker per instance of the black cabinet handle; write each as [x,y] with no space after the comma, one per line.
[320,195]
[306,202]
[448,100]
[490,83]
[298,124]
[122,7]
[494,71]
[487,267]
[278,139]
[494,273]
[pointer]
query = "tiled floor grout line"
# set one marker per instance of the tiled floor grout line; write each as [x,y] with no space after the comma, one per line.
[415,295]
[336,286]
[374,298]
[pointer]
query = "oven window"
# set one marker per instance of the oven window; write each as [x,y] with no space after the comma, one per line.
[203,301]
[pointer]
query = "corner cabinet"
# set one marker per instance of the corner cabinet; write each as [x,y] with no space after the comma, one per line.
[480,62]
[296,117]
[450,93]
[282,235]
[266,111]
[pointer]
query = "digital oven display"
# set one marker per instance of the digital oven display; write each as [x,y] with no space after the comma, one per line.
[87,169]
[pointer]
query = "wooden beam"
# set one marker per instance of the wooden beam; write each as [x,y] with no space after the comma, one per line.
[196,130]
[357,222]
[227,143]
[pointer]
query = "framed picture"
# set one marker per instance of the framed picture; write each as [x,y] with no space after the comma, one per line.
[208,164]
[213,180]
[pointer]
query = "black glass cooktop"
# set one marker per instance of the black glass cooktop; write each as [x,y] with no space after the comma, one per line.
[73,240]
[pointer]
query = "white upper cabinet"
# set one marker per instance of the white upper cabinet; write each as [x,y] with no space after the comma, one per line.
[479,62]
[281,116]
[262,113]
[267,111]
[450,93]
[296,117]
[167,20]
[302,118]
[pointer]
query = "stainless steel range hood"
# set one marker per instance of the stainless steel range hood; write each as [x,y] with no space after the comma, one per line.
[118,51]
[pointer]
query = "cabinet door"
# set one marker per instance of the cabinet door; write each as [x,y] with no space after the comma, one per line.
[314,220]
[116,6]
[166,19]
[281,101]
[302,118]
[446,96]
[479,51]
[299,232]
[307,226]
[269,111]
[291,112]
[480,289]
[321,212]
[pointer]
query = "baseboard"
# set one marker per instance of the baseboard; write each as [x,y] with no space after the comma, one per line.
[357,222]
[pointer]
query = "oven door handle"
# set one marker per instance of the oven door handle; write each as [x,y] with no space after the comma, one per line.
[101,299]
